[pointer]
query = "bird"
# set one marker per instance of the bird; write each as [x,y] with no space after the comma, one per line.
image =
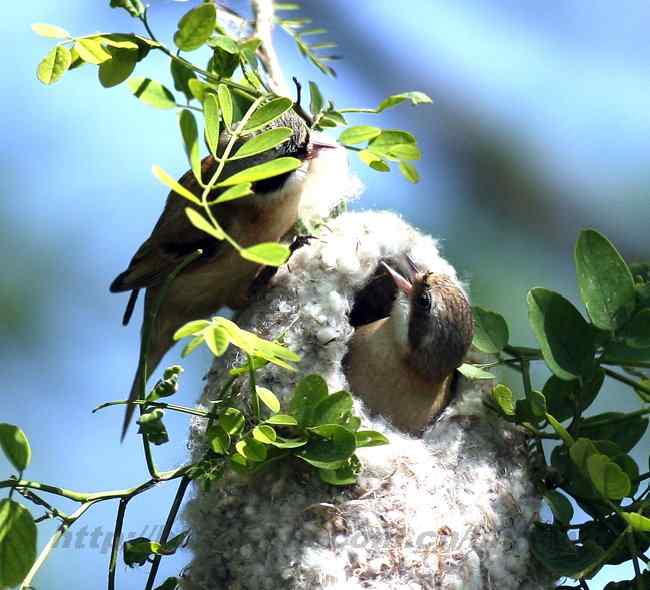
[219,277]
[402,366]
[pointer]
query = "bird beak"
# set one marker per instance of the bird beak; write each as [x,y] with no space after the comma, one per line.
[319,141]
[400,282]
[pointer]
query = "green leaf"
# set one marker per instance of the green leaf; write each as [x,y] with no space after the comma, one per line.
[17,543]
[234,192]
[192,345]
[91,51]
[212,116]
[409,172]
[267,397]
[560,430]
[268,253]
[333,447]
[268,113]
[190,133]
[15,446]
[199,89]
[122,41]
[502,395]
[251,449]
[389,138]
[625,433]
[195,27]
[333,409]
[218,438]
[560,506]
[490,330]
[537,403]
[262,171]
[563,397]
[117,69]
[581,450]
[152,93]
[182,75]
[608,478]
[315,99]
[309,391]
[191,328]
[54,65]
[637,331]
[605,281]
[232,421]
[282,420]
[216,340]
[171,583]
[290,443]
[178,188]
[263,142]
[264,434]
[359,134]
[152,425]
[342,476]
[225,102]
[50,31]
[565,337]
[374,161]
[405,151]
[414,97]
[223,64]
[637,521]
[369,438]
[474,373]
[133,7]
[203,224]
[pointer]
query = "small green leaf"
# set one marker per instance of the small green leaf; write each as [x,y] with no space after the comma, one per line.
[267,397]
[152,93]
[199,89]
[625,433]
[203,224]
[234,192]
[264,434]
[290,443]
[152,425]
[178,188]
[474,373]
[490,330]
[560,430]
[263,142]
[50,31]
[333,409]
[195,27]
[560,506]
[190,133]
[335,446]
[309,391]
[91,51]
[581,450]
[251,449]
[232,421]
[343,476]
[282,420]
[117,69]
[605,281]
[359,134]
[182,75]
[171,583]
[565,337]
[133,7]
[537,403]
[54,65]
[17,543]
[389,138]
[637,521]
[225,102]
[218,438]
[563,397]
[369,438]
[121,41]
[374,161]
[608,478]
[409,172]
[637,331]
[503,397]
[262,171]
[414,97]
[216,340]
[405,151]
[15,446]
[191,328]
[192,345]
[268,113]
[315,99]
[268,253]
[212,116]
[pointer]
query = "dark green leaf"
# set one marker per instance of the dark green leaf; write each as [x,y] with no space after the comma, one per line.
[308,393]
[564,336]
[605,281]
[169,584]
[15,445]
[333,409]
[563,397]
[637,331]
[330,449]
[619,354]
[560,506]
[223,63]
[117,69]
[537,403]
[502,396]
[262,171]
[196,26]
[268,113]
[152,93]
[232,421]
[359,134]
[343,476]
[182,75]
[204,224]
[54,65]
[605,532]
[414,97]
[218,438]
[290,443]
[264,141]
[490,330]
[137,551]
[625,433]
[17,543]
[190,133]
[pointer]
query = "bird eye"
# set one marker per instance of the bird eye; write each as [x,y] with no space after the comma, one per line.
[423,299]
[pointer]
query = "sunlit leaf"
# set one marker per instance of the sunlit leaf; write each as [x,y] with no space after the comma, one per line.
[414,97]
[282,420]
[152,93]
[474,373]
[51,31]
[264,141]
[490,330]
[17,543]
[232,420]
[203,224]
[252,450]
[190,329]
[502,395]
[216,340]
[409,172]
[359,134]
[637,521]
[264,434]
[268,253]
[370,438]
[268,113]
[54,65]
[262,171]
[212,116]
[234,192]
[182,75]
[268,398]
[190,133]
[178,188]
[608,478]
[315,99]
[117,69]
[91,51]
[225,103]
[15,445]
[374,161]
[133,7]
[195,27]
[405,151]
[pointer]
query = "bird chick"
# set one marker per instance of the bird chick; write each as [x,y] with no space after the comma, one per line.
[402,366]
[220,277]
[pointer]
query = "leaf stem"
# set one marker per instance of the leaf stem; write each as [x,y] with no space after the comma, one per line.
[117,534]
[255,398]
[626,380]
[162,405]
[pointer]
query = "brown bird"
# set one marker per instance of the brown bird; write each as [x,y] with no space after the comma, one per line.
[220,277]
[402,366]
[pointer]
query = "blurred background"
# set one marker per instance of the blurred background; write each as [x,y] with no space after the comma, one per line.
[540,127]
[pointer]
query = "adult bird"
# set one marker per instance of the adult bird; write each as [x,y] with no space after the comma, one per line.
[402,365]
[220,277]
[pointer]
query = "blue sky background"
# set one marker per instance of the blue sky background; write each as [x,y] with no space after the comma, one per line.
[541,126]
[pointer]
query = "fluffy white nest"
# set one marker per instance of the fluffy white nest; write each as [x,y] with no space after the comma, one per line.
[449,510]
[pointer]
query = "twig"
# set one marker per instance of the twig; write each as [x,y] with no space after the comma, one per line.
[117,534]
[626,380]
[263,12]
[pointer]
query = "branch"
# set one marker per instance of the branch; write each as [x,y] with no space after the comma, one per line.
[264,17]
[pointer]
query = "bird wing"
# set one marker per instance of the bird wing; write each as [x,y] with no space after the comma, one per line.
[172,239]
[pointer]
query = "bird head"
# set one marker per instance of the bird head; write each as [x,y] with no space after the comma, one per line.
[432,320]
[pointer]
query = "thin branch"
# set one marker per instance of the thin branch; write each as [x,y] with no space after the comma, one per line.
[117,534]
[263,12]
